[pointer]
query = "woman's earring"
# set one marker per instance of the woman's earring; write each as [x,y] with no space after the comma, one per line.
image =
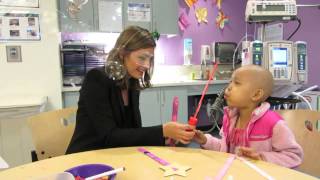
[115,70]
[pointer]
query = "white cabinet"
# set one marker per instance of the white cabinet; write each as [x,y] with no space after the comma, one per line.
[15,136]
[156,105]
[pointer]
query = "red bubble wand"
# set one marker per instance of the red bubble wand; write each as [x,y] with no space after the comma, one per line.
[193,120]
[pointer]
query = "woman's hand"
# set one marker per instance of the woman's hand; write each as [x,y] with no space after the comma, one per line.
[200,138]
[177,131]
[248,152]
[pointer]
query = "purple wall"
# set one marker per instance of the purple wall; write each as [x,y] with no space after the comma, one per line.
[204,33]
[309,32]
[235,30]
[172,48]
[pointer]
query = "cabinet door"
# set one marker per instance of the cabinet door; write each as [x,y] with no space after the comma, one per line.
[150,107]
[167,95]
[16,141]
[108,15]
[137,12]
[70,99]
[81,22]
[165,16]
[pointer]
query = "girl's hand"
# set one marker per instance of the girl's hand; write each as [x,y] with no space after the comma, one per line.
[177,131]
[200,138]
[248,152]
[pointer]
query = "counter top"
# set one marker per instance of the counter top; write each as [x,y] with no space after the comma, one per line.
[188,83]
[17,101]
[164,84]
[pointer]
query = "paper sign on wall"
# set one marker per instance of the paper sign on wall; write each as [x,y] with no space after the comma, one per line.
[273,32]
[20,3]
[139,12]
[110,16]
[19,26]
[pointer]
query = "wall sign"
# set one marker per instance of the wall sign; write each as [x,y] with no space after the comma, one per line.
[19,26]
[20,3]
[139,12]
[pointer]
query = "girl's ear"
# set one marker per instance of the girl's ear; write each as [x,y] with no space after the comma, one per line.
[258,95]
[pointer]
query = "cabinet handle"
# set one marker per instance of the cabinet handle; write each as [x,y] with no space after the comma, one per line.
[158,99]
[163,98]
[73,50]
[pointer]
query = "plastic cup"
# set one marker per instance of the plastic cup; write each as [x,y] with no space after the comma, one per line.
[88,170]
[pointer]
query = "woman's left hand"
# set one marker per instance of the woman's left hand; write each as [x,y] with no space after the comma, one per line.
[248,152]
[177,131]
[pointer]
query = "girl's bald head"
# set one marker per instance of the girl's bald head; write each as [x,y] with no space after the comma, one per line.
[259,78]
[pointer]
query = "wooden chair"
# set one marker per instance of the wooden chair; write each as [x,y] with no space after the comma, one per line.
[51,134]
[305,126]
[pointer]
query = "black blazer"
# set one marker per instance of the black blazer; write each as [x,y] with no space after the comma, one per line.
[101,121]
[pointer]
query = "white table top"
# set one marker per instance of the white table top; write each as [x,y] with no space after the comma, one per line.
[204,163]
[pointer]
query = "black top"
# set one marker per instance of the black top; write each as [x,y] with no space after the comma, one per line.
[101,117]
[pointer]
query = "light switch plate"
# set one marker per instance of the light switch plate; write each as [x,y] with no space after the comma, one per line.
[14,54]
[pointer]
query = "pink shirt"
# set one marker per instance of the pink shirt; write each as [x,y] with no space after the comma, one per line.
[266,132]
[237,138]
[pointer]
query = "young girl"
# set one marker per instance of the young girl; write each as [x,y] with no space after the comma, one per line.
[249,128]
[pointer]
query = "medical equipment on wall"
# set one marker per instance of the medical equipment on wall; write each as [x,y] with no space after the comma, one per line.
[222,52]
[286,60]
[279,60]
[301,60]
[252,53]
[272,10]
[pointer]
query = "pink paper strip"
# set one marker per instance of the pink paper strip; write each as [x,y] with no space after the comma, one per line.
[225,168]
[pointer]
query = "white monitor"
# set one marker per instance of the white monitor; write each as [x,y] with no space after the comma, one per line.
[279,59]
[272,10]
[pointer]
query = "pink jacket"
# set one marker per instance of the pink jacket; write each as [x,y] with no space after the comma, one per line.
[266,132]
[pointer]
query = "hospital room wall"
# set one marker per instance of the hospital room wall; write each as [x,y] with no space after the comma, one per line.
[39,73]
[310,33]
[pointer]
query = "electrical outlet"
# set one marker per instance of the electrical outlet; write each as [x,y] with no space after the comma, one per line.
[13,53]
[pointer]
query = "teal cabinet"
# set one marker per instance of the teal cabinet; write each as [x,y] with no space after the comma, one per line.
[81,21]
[70,99]
[108,15]
[137,12]
[150,107]
[105,16]
[156,105]
[167,94]
[165,16]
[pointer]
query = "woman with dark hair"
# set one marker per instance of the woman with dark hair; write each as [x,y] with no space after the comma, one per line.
[108,109]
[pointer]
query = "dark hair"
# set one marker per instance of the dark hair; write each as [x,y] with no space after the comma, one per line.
[131,39]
